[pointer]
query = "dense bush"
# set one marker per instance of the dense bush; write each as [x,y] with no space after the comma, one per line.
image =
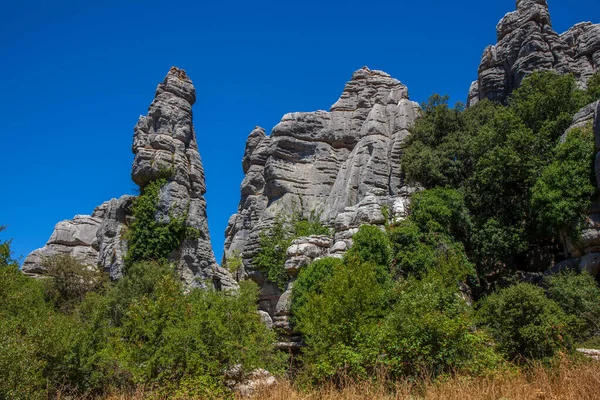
[274,242]
[521,187]
[371,245]
[525,323]
[145,330]
[70,280]
[578,295]
[149,239]
[562,194]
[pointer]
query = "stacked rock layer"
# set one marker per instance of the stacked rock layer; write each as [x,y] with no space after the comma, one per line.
[527,43]
[343,165]
[164,143]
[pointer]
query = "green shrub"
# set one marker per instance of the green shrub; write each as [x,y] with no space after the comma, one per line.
[339,325]
[310,281]
[70,280]
[578,295]
[563,192]
[149,239]
[354,323]
[429,330]
[593,89]
[274,242]
[371,245]
[525,323]
[34,339]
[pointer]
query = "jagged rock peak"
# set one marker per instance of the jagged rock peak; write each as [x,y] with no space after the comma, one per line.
[340,163]
[164,144]
[368,87]
[527,43]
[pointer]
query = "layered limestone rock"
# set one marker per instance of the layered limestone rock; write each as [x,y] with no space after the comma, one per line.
[76,237]
[164,144]
[344,163]
[526,42]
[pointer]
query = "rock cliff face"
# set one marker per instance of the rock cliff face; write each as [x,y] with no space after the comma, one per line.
[164,143]
[343,164]
[527,43]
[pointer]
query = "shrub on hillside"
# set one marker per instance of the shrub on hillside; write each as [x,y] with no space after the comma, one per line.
[525,323]
[578,295]
[71,280]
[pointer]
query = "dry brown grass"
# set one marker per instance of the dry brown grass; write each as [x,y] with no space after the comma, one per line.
[567,380]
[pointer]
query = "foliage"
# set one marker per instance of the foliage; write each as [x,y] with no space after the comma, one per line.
[371,245]
[563,192]
[593,89]
[441,211]
[578,295]
[70,280]
[354,322]
[149,239]
[234,264]
[525,323]
[34,339]
[143,330]
[520,186]
[274,242]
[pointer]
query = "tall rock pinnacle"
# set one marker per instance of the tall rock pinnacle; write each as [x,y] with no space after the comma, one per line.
[164,142]
[527,43]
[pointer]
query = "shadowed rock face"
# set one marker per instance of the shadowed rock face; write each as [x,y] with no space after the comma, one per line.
[527,43]
[164,143]
[344,163]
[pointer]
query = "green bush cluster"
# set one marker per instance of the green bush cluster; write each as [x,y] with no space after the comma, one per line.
[142,331]
[150,239]
[521,185]
[274,242]
[357,320]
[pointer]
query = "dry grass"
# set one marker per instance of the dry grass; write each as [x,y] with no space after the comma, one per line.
[568,380]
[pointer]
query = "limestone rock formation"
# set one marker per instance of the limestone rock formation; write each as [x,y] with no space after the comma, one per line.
[527,43]
[164,143]
[344,164]
[76,238]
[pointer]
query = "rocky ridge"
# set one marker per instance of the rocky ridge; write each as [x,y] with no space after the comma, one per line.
[526,42]
[164,143]
[343,164]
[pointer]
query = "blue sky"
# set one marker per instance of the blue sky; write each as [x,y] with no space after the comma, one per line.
[76,75]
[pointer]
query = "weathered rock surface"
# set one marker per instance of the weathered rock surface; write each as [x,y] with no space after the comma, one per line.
[248,384]
[164,143]
[76,237]
[345,161]
[526,42]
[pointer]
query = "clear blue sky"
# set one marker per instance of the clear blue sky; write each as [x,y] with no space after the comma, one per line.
[76,75]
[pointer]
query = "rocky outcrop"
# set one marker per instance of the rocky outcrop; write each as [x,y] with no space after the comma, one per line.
[164,144]
[344,163]
[526,42]
[76,237]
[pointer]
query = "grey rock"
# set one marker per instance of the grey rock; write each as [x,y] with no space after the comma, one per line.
[76,237]
[527,43]
[325,162]
[116,215]
[164,143]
